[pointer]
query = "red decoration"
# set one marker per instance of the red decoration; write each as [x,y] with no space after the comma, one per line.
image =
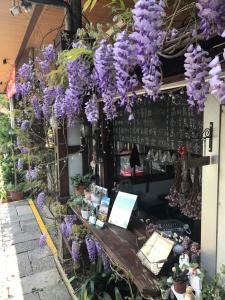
[182,150]
[11,84]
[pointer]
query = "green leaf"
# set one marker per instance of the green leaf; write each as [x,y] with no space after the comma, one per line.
[92,286]
[117,294]
[87,4]
[72,278]
[106,296]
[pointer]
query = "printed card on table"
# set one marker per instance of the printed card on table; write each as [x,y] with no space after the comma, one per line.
[122,209]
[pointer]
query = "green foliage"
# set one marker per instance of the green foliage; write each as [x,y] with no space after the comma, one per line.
[179,275]
[79,232]
[79,180]
[214,289]
[59,210]
[164,285]
[89,4]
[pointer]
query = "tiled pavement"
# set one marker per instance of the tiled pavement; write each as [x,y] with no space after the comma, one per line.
[26,272]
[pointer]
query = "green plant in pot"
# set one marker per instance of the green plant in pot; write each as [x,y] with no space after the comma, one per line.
[180,279]
[165,289]
[80,183]
[85,210]
[15,191]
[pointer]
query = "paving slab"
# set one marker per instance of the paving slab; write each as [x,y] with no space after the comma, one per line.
[20,238]
[24,210]
[32,296]
[11,228]
[42,264]
[57,292]
[40,280]
[38,253]
[22,247]
[29,225]
[18,266]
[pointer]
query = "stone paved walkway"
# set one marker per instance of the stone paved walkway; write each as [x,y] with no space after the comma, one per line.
[26,272]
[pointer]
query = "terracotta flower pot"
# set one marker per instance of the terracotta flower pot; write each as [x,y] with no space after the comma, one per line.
[180,287]
[15,195]
[79,190]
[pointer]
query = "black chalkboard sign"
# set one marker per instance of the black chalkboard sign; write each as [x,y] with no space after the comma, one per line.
[166,123]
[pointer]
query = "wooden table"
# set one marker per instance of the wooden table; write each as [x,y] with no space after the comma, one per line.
[121,246]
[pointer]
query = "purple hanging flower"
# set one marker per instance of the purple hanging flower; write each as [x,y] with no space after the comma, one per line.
[196,71]
[41,200]
[104,76]
[76,251]
[90,243]
[24,150]
[91,110]
[20,164]
[49,53]
[125,62]
[43,241]
[212,17]
[24,80]
[217,85]
[148,37]
[24,125]
[36,107]
[105,261]
[31,174]
[64,230]
[98,248]
[69,220]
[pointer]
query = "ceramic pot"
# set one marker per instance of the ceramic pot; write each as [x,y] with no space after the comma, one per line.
[15,195]
[85,214]
[178,249]
[179,287]
[79,190]
[165,294]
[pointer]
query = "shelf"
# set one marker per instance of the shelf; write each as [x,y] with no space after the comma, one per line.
[121,247]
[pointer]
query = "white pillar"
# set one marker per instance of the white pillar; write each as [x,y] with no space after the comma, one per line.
[210,190]
[221,202]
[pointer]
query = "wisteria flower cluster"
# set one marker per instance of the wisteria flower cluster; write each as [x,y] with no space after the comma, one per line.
[104,257]
[24,80]
[148,35]
[76,247]
[104,75]
[36,107]
[31,174]
[24,125]
[41,200]
[212,17]
[91,110]
[91,248]
[196,65]
[43,241]
[216,83]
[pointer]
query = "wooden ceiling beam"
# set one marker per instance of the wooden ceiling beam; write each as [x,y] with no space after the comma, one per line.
[31,25]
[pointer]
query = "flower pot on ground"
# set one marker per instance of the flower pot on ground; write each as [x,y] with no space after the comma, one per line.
[165,289]
[15,192]
[180,279]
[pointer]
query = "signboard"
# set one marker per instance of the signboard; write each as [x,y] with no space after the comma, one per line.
[122,209]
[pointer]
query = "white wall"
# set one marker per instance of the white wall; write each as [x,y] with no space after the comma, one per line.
[210,190]
[221,204]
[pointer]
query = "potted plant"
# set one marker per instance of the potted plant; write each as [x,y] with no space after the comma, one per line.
[85,210]
[80,183]
[180,279]
[165,289]
[15,192]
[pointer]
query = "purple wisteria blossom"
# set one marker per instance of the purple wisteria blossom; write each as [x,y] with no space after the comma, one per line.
[43,241]
[49,96]
[79,81]
[24,80]
[24,150]
[49,53]
[212,17]
[217,85]
[31,174]
[24,125]
[64,230]
[76,251]
[69,220]
[20,164]
[91,110]
[104,76]
[36,107]
[104,257]
[196,71]
[91,248]
[148,36]
[41,200]
[59,105]
[125,62]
